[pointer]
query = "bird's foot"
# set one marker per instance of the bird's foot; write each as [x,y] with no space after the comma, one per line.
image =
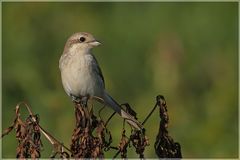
[84,101]
[76,99]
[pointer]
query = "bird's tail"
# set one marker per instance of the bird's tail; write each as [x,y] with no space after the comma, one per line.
[109,101]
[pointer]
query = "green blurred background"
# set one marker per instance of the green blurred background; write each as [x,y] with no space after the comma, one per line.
[187,52]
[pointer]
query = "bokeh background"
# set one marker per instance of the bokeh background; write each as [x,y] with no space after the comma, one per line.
[186,51]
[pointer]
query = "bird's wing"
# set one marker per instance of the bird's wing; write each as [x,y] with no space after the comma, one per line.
[97,69]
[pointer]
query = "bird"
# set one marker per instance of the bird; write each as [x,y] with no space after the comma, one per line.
[82,76]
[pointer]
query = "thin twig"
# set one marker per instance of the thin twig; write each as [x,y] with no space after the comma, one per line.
[99,111]
[106,123]
[145,120]
[52,140]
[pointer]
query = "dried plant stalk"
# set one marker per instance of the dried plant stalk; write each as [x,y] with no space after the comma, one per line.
[139,141]
[28,135]
[138,138]
[165,147]
[84,143]
[91,138]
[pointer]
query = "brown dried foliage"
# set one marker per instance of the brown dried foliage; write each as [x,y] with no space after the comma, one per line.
[84,143]
[123,144]
[27,134]
[138,138]
[91,138]
[139,141]
[165,147]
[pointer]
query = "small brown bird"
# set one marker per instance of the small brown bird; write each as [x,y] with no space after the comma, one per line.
[82,77]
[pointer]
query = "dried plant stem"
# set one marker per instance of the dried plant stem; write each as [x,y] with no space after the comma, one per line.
[53,140]
[58,146]
[84,143]
[165,147]
[91,138]
[145,120]
[106,123]
[50,138]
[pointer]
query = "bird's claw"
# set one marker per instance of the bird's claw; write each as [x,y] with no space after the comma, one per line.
[84,101]
[75,99]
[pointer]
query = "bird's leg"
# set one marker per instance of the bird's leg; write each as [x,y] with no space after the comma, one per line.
[84,101]
[75,99]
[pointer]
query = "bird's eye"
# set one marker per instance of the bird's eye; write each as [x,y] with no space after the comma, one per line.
[82,39]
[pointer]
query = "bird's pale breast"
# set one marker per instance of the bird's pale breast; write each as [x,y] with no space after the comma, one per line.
[78,76]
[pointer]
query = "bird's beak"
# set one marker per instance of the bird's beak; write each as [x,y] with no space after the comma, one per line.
[94,43]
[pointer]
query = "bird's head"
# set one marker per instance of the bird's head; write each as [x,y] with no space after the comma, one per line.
[81,41]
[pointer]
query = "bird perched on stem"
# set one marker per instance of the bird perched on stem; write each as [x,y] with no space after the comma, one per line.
[82,77]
